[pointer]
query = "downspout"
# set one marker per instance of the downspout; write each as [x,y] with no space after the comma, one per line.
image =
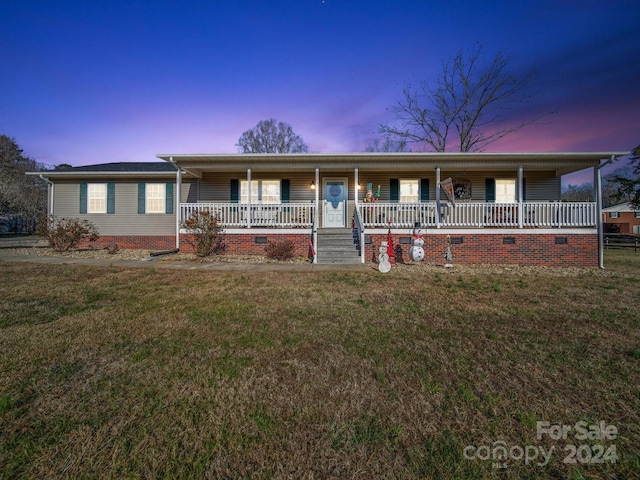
[597,183]
[50,192]
[178,207]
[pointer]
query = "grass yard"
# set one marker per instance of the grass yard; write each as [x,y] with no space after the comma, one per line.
[420,373]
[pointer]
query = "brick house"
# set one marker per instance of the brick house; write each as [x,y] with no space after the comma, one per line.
[504,207]
[625,218]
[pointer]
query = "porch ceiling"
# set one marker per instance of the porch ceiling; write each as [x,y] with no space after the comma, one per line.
[562,163]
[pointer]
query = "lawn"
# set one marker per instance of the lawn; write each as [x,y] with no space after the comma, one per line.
[420,373]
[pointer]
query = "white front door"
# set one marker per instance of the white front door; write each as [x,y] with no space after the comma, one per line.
[334,194]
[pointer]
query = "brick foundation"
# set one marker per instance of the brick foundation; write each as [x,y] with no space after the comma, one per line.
[133,242]
[580,250]
[245,244]
[234,244]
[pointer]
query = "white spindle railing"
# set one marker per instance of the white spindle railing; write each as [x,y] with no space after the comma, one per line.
[479,215]
[284,215]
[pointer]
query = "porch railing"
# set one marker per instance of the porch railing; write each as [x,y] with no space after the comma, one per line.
[480,215]
[286,215]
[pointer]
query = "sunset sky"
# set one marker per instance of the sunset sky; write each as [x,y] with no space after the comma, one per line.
[103,81]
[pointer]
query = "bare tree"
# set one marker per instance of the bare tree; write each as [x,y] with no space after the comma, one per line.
[466,105]
[271,137]
[629,188]
[22,198]
[388,145]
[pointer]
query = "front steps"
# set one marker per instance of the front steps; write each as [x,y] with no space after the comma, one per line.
[337,246]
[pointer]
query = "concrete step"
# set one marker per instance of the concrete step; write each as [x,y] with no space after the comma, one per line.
[337,246]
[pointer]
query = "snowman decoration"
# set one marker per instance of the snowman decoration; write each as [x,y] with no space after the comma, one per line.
[383,258]
[448,255]
[416,252]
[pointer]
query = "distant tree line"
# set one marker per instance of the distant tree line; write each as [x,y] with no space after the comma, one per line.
[611,191]
[23,198]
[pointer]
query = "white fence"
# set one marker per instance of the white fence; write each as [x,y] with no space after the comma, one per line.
[286,215]
[479,215]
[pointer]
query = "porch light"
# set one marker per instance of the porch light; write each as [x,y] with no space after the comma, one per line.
[312,186]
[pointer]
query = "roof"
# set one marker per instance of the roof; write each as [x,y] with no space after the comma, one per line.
[621,207]
[120,169]
[194,164]
[562,163]
[123,167]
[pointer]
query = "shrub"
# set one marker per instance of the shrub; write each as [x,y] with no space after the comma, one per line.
[282,250]
[206,233]
[66,233]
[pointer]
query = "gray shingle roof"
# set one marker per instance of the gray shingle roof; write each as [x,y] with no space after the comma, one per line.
[123,167]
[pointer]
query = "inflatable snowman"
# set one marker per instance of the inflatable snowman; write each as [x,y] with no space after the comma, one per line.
[416,252]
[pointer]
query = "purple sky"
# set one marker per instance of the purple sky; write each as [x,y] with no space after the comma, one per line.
[101,81]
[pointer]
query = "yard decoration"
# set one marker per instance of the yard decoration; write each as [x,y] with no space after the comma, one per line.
[416,252]
[383,258]
[390,252]
[369,196]
[448,256]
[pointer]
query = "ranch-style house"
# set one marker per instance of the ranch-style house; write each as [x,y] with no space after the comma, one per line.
[498,208]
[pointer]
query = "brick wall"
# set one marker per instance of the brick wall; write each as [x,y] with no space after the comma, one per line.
[143,242]
[580,250]
[246,244]
[235,244]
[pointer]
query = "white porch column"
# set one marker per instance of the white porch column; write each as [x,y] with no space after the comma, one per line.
[318,186]
[438,196]
[316,219]
[178,207]
[355,187]
[520,198]
[248,197]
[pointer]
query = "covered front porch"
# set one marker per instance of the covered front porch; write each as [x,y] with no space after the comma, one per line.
[257,197]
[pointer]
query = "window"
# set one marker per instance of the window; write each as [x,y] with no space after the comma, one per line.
[636,214]
[614,214]
[97,198]
[409,191]
[155,198]
[505,191]
[262,191]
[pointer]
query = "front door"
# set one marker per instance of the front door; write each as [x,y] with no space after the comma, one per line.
[334,202]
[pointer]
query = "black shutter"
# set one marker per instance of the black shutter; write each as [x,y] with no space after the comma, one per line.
[394,190]
[141,197]
[235,191]
[424,190]
[168,191]
[285,190]
[83,198]
[490,190]
[111,198]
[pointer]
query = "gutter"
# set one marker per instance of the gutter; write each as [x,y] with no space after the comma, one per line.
[597,183]
[178,193]
[51,189]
